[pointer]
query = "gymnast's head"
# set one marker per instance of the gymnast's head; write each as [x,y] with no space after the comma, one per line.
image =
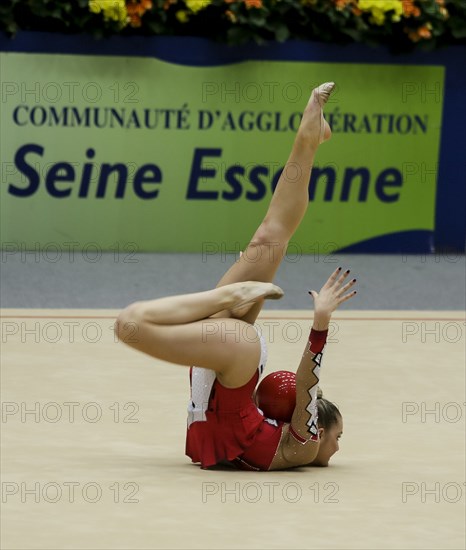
[276,397]
[330,424]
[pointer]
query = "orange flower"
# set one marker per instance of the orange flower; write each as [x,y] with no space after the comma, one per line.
[424,32]
[341,4]
[253,4]
[135,20]
[136,9]
[409,9]
[421,32]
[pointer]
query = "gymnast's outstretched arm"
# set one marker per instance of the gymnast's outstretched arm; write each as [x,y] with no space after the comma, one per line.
[300,444]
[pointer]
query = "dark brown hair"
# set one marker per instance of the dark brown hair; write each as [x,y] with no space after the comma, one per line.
[328,412]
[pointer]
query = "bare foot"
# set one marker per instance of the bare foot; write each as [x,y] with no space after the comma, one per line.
[314,128]
[248,293]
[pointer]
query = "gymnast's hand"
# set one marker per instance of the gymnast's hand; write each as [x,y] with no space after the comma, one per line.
[331,295]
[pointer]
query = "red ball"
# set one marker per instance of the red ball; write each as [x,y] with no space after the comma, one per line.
[276,395]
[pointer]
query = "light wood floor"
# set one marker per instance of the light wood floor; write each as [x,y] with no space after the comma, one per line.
[115,476]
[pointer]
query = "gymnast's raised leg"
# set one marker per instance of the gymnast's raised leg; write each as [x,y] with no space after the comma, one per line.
[202,328]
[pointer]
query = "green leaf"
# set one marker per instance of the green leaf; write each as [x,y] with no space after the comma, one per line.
[459,32]
[257,20]
[282,33]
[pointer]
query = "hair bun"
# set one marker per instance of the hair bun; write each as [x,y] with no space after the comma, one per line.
[320,393]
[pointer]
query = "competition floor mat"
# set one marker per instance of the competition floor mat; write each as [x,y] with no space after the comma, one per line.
[93,437]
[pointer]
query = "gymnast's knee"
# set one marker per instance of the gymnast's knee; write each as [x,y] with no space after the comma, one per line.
[127,322]
[270,234]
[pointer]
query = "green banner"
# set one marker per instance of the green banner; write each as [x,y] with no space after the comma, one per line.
[115,150]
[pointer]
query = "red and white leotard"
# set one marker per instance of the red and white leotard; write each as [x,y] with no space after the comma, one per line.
[225,424]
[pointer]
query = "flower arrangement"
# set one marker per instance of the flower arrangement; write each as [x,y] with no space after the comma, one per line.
[402,25]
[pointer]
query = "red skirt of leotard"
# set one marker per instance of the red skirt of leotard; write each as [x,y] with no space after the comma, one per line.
[233,425]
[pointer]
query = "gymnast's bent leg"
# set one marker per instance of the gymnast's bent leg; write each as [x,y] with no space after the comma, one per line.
[195,329]
[180,330]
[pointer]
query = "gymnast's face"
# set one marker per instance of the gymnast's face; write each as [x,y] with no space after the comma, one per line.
[328,443]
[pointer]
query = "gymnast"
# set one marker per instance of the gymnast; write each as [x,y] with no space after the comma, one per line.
[215,331]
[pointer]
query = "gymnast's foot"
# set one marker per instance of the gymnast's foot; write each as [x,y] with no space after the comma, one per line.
[314,128]
[247,293]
